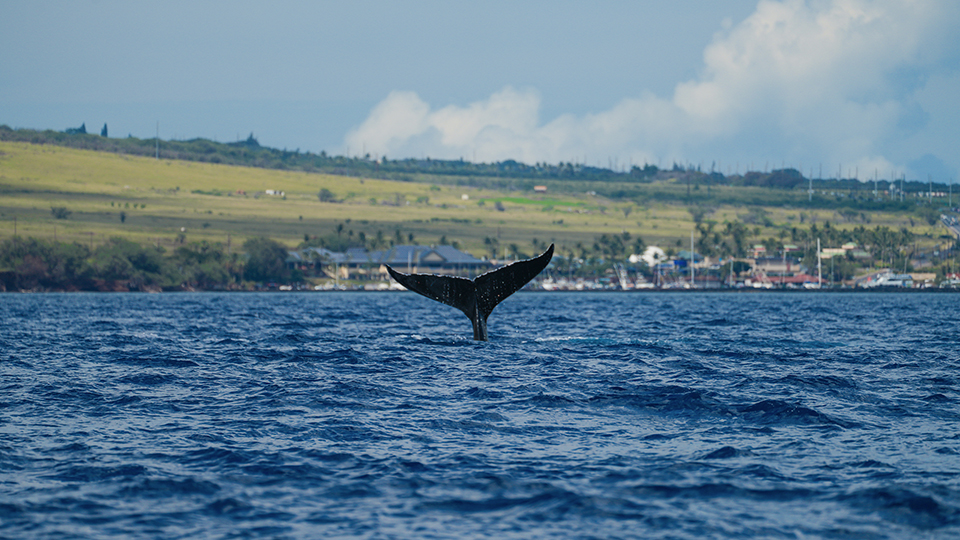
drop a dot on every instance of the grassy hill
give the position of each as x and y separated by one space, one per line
165 200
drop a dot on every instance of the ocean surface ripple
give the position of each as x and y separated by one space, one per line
374 415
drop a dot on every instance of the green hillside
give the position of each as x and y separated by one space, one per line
156 201
210 201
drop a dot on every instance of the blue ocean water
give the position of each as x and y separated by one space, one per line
374 415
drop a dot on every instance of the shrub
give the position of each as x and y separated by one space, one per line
325 195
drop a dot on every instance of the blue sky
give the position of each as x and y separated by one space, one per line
865 87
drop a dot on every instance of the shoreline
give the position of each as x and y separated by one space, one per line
872 290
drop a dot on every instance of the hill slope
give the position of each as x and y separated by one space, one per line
168 201
160 198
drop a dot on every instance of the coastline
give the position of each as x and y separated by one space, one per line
745 290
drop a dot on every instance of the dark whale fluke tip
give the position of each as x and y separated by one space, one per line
476 298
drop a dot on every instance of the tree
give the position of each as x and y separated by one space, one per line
639 246
204 265
492 245
60 212
103 132
734 242
379 241
326 195
707 241
123 260
697 213
733 266
42 263
266 260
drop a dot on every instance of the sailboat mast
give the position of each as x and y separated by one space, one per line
693 258
819 272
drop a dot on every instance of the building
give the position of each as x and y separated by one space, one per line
777 266
359 263
316 261
850 248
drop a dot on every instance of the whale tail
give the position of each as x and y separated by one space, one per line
476 298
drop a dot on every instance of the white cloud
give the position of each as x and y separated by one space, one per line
827 81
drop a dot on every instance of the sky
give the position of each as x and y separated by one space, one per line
855 87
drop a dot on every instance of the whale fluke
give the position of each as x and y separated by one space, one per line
476 298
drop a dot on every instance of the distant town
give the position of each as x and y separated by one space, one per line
360 269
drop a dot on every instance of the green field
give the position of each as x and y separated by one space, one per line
163 199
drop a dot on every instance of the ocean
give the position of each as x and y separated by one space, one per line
375 415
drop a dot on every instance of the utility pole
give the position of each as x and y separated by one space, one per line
158 139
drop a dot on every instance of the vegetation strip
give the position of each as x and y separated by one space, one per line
52 194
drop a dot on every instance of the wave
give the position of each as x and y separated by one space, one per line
156 487
777 412
90 473
155 362
670 399
906 506
727 452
